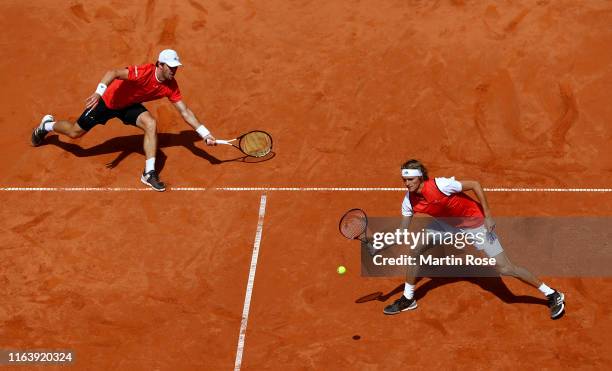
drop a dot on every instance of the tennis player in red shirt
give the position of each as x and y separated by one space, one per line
120 94
445 198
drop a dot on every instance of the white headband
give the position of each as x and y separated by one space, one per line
411 172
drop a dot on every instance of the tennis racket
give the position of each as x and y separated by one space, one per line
255 143
354 224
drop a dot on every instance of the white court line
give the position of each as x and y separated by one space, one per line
397 189
73 189
94 189
284 189
307 189
249 289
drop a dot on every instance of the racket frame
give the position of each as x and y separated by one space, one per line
362 236
240 138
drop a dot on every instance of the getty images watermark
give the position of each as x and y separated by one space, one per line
462 247
458 240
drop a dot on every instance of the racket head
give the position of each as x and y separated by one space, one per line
255 143
353 224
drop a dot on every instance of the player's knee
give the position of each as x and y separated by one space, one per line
150 125
75 133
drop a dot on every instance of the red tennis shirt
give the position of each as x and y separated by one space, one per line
141 86
443 198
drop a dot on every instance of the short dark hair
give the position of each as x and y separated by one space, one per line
416 164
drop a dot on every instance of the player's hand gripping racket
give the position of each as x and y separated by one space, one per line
354 224
255 143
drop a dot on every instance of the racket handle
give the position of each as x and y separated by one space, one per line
221 141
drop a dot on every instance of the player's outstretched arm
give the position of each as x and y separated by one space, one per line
109 76
192 121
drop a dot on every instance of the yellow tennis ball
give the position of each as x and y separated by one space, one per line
341 269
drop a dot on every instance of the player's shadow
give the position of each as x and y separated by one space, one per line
127 145
494 285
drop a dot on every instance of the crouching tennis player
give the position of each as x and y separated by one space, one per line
120 94
444 198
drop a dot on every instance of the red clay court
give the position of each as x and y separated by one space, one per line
514 94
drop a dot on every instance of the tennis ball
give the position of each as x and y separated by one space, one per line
341 269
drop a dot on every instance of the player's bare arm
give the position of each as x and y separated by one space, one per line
192 121
109 76
474 186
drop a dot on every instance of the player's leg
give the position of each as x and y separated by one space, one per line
70 129
492 247
506 268
88 119
145 121
407 300
49 124
148 124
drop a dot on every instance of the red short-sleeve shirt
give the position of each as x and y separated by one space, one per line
141 86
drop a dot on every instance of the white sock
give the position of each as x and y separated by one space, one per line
408 290
150 164
545 289
49 125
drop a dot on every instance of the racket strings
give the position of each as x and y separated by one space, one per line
256 144
353 225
